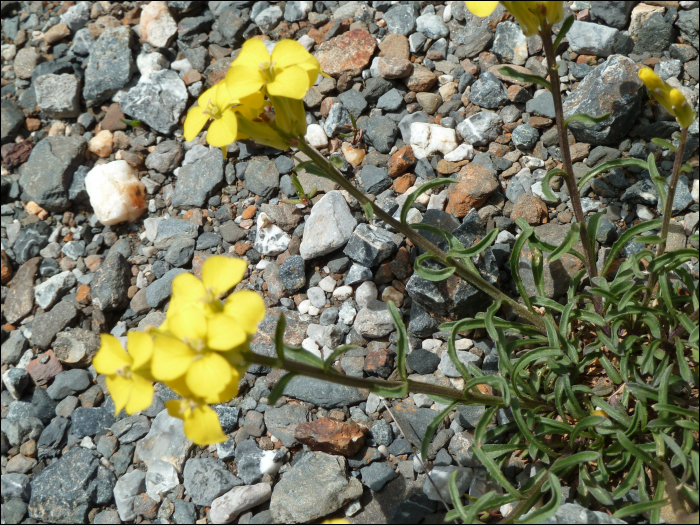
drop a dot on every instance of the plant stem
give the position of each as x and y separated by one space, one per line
570 180
668 211
417 239
370 384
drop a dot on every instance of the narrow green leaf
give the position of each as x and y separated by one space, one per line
592 486
452 353
649 239
547 303
302 356
640 508
607 166
569 241
523 77
457 497
425 187
548 509
369 212
672 259
593 224
402 341
591 317
636 451
615 413
390 391
568 22
131 122
488 320
328 363
515 265
496 382
584 118
538 271
477 248
665 144
663 407
678 453
525 429
431 274
279 336
585 423
451 239
278 389
630 480
337 161
495 472
546 188
560 466
432 427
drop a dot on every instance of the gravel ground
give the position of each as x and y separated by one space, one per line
422 80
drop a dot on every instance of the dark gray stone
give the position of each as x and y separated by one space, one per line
375 88
688 24
131 428
231 232
88 421
354 102
160 290
595 95
525 137
282 422
15 486
180 252
380 132
198 181
642 192
262 177
541 106
47 325
64 491
111 283
414 510
158 100
52 438
207 479
12 119
489 92
681 199
322 393
69 382
292 273
401 19
376 475
375 180
390 101
480 129
422 361
208 240
47 175
165 157
369 245
613 14
655 36
109 66
380 434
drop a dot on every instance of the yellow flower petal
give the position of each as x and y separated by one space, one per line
140 395
176 408
111 356
289 53
242 81
224 333
194 122
222 97
187 289
651 80
188 324
223 131
291 82
220 273
202 426
481 8
208 374
555 12
120 389
253 53
171 358
247 308
140 347
228 393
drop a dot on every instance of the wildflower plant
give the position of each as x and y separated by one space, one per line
601 391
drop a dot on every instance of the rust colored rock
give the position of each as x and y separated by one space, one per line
93 262
16 153
518 94
6 268
530 208
32 124
344 438
349 53
422 79
394 67
404 182
579 151
380 363
326 105
191 77
395 45
44 368
83 294
476 184
401 161
401 265
112 120
249 212
445 167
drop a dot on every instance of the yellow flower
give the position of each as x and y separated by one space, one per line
336 520
532 16
127 373
216 104
290 115
289 72
202 336
669 97
201 423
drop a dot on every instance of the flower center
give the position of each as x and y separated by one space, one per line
212 110
124 372
267 71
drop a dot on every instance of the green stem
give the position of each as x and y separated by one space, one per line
417 239
369 384
570 180
668 210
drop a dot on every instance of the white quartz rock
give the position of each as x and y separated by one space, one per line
427 139
270 239
463 152
316 136
116 193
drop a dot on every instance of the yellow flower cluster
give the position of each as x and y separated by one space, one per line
197 351
533 17
238 106
669 97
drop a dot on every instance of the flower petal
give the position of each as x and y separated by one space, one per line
187 289
140 396
253 52
171 358
120 389
194 122
291 82
247 308
202 426
223 131
176 408
228 393
289 53
222 97
209 374
481 8
188 324
224 333
220 273
140 347
111 356
242 81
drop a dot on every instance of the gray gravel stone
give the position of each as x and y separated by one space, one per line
441 478
109 66
322 393
292 273
541 106
198 181
111 283
68 383
525 137
158 100
586 38
47 293
262 177
207 479
47 325
58 96
12 120
380 132
47 175
169 229
510 44
88 421
390 101
655 36
353 101
432 26
375 179
160 290
376 475
15 486
369 245
401 19
480 129
328 228
374 320
165 157
281 422
180 252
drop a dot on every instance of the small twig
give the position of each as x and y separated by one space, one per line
417 453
